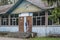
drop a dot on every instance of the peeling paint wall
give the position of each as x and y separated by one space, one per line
9 28
45 31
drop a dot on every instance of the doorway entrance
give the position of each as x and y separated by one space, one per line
25 23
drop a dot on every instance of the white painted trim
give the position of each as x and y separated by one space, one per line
25 24
25 14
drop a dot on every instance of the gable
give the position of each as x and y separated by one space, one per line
26 7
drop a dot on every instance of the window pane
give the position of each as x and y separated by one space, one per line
10 21
4 16
14 19
38 17
34 21
38 22
35 14
42 13
4 21
49 22
49 13
43 20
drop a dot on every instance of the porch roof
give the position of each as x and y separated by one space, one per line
5 8
39 3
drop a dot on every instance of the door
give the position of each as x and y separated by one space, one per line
25 24
28 24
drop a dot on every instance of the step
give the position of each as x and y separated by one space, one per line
18 35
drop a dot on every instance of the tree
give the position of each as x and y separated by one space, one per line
55 13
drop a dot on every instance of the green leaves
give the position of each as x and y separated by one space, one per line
55 14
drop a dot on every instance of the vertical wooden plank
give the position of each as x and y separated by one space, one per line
9 20
21 24
29 21
46 18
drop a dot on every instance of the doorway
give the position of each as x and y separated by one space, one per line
25 24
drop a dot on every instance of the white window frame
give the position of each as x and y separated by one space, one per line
9 19
38 19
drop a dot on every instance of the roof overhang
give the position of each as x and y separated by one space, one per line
5 8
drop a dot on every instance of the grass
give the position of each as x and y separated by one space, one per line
45 38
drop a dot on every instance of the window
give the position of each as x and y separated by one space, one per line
38 18
50 22
4 20
12 20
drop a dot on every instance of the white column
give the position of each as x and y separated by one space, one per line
25 24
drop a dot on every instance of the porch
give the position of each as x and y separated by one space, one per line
38 24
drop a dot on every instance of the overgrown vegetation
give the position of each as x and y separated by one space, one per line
55 12
44 38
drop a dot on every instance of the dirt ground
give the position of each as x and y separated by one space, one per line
6 38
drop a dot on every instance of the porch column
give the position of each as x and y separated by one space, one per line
9 20
46 18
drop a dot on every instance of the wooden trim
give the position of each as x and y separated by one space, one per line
29 21
46 18
9 20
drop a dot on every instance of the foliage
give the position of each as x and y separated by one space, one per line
55 12
44 38
55 15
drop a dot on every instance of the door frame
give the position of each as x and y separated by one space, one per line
25 16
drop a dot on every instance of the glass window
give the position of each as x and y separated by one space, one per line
34 21
50 22
43 20
35 13
42 13
4 20
14 19
38 19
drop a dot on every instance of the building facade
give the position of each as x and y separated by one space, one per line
24 16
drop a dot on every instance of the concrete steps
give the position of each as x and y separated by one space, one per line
18 35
